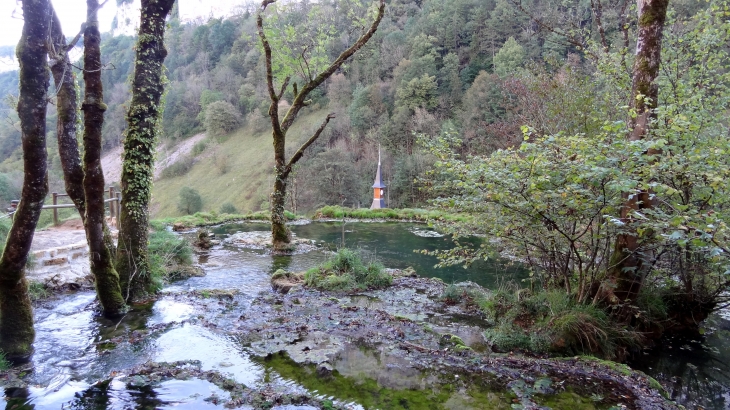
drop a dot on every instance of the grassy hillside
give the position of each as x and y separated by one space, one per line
248 177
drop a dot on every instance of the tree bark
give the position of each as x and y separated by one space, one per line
65 89
100 254
138 163
628 266
16 313
280 234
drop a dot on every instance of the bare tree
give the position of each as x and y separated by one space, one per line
281 236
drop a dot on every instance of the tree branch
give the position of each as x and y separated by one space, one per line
597 8
299 101
274 107
298 155
73 42
283 88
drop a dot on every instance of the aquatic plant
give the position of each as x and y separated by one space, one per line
346 272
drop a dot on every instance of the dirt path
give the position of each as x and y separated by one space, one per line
112 160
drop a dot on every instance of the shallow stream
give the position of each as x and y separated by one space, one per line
81 359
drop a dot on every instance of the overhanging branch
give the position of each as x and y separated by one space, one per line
300 152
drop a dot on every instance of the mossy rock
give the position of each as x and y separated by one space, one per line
283 281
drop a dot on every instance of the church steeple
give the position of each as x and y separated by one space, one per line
378 188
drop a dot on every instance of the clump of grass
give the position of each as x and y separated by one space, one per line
468 293
346 272
199 147
552 322
4 363
423 215
168 255
37 290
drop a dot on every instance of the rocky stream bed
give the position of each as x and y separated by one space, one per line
227 340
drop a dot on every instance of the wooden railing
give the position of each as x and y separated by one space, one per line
115 198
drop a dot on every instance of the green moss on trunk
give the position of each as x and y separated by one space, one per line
280 234
17 333
16 316
143 119
107 280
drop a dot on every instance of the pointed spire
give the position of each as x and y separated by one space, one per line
378 179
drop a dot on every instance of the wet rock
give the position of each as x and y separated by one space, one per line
283 281
179 272
203 240
324 369
262 240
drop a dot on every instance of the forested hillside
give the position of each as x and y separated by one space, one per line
476 68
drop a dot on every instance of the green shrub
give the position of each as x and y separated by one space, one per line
190 201
290 215
346 272
199 147
228 208
221 117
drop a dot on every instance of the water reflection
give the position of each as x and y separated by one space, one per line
394 244
695 372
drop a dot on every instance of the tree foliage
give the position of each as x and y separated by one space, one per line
190 201
221 117
555 201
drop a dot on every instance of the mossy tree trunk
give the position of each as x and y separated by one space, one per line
629 265
143 119
16 313
66 106
280 234
100 254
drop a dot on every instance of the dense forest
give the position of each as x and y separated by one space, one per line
480 69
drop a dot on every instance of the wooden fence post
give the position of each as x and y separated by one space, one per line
119 205
55 211
112 205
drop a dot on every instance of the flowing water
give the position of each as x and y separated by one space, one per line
77 352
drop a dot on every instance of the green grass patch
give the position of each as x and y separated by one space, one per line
169 255
203 219
552 322
37 290
248 180
346 272
4 364
422 215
